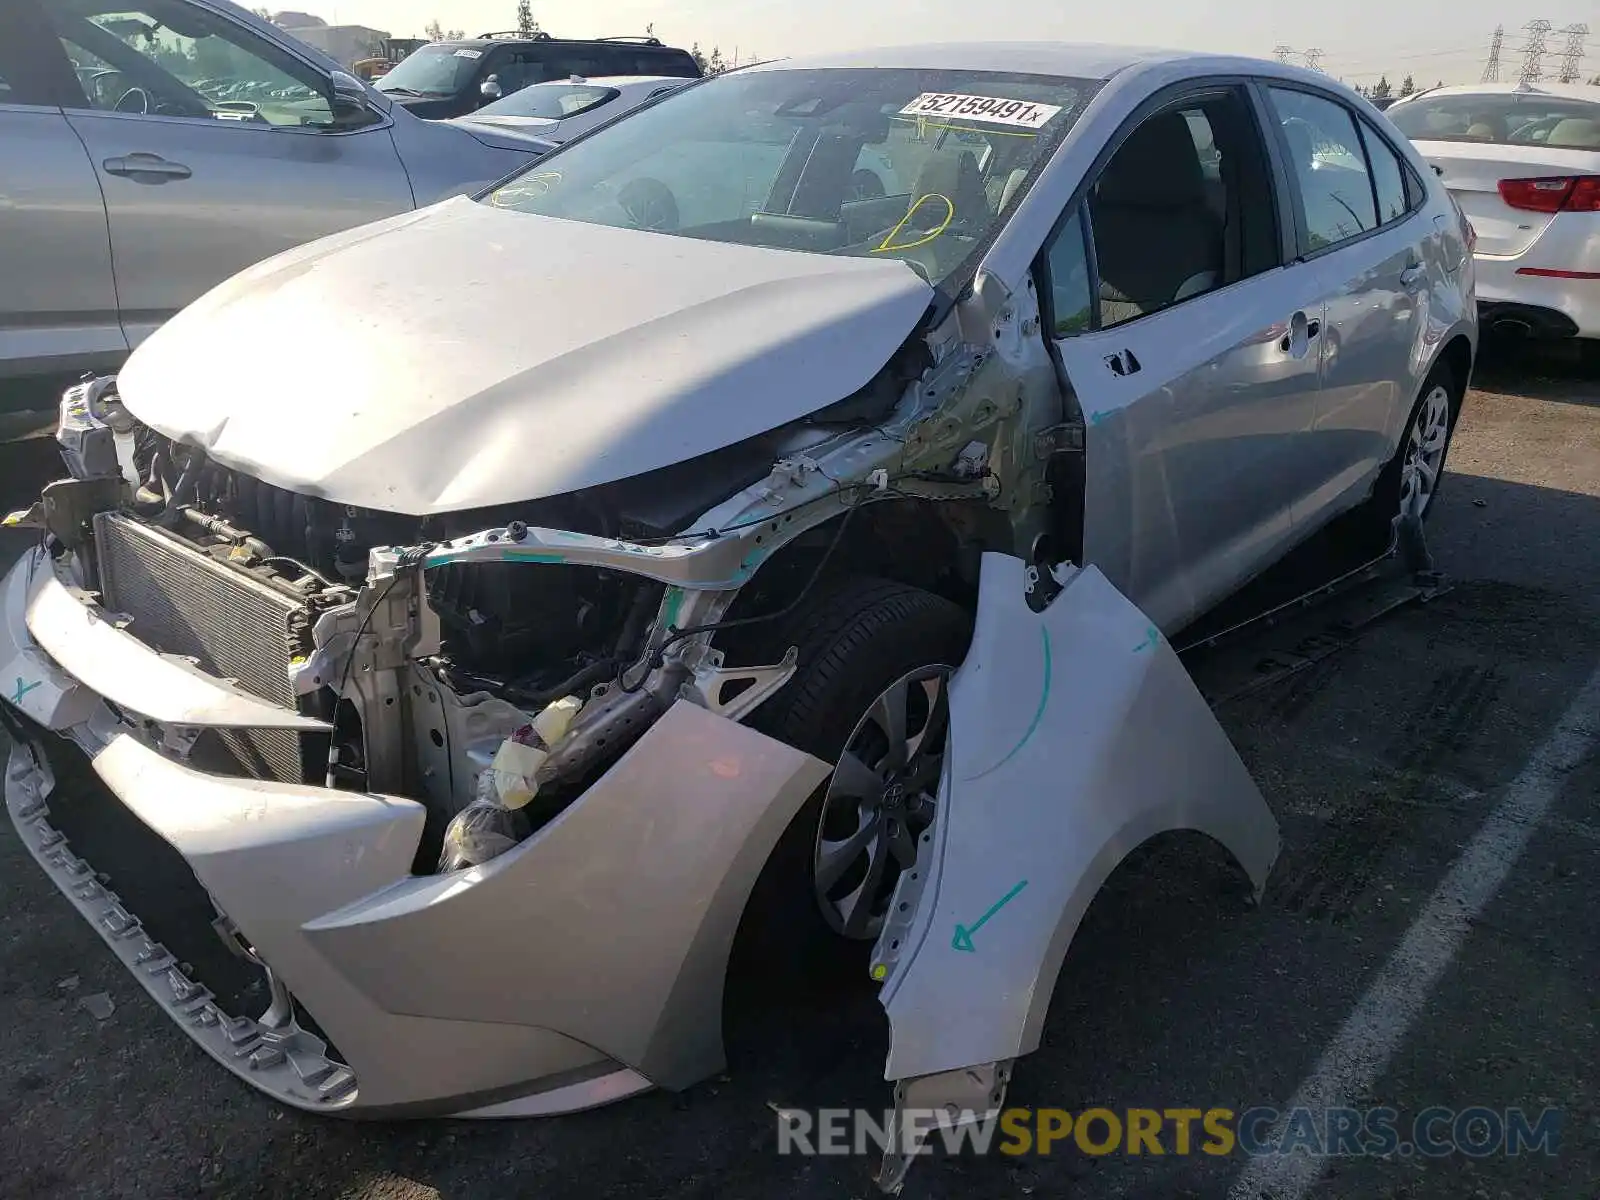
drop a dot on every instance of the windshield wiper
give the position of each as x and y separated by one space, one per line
399 91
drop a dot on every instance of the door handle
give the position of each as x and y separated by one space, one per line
1312 326
1123 363
1411 276
146 164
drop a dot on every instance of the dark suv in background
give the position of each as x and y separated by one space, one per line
451 79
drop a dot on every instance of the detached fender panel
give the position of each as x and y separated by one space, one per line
1076 735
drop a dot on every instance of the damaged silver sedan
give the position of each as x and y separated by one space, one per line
799 484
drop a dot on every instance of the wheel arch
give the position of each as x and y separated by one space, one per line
1457 354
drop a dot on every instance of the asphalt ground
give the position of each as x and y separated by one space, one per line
1430 937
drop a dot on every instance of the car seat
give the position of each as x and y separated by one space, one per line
1576 133
1156 238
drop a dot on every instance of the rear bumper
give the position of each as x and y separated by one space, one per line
1575 302
584 966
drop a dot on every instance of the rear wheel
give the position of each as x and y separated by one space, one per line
1426 444
1415 474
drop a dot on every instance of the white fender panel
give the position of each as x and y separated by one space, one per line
1076 735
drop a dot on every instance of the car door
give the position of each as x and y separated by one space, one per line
216 147
58 301
1357 209
1191 348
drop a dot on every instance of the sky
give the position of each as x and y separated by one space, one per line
1431 39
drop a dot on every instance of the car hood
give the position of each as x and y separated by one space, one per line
465 356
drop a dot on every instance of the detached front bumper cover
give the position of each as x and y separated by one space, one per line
621 912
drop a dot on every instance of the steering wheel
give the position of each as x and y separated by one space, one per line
134 95
649 204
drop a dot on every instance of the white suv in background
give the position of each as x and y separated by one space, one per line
1523 163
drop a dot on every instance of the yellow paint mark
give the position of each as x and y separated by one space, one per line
889 244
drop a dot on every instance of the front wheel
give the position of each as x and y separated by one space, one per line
869 696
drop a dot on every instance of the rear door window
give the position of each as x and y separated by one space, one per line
1327 158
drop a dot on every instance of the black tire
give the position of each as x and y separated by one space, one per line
1387 494
855 638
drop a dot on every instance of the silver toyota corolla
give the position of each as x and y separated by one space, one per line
150 149
497 606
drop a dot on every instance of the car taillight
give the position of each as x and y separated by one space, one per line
1580 194
1585 195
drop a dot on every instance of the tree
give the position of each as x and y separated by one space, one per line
1381 90
526 25
715 64
438 33
1407 86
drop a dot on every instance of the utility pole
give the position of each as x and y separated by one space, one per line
1491 69
1572 53
1533 53
1283 53
1314 59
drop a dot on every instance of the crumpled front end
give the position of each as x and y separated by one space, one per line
299 738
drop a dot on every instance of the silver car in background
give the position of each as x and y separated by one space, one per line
783 552
149 149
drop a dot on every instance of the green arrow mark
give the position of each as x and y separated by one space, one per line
963 937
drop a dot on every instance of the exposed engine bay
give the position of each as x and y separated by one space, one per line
425 643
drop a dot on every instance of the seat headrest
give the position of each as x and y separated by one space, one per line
959 181
1157 167
1576 131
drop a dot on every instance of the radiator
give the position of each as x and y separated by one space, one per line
181 602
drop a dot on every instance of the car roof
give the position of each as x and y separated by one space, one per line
1079 60
1563 91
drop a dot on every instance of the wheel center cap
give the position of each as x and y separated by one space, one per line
894 796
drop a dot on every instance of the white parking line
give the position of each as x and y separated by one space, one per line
1361 1050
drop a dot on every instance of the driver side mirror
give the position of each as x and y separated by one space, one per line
351 105
490 88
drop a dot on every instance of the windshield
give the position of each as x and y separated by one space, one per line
1506 119
923 166
435 70
551 101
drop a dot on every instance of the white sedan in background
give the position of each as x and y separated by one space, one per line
562 109
1523 163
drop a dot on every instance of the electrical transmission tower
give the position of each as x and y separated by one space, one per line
1314 58
1491 69
1533 53
1283 53
1572 53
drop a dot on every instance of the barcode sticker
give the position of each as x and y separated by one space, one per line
993 109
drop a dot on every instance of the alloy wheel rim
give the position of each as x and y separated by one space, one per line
880 799
1424 455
